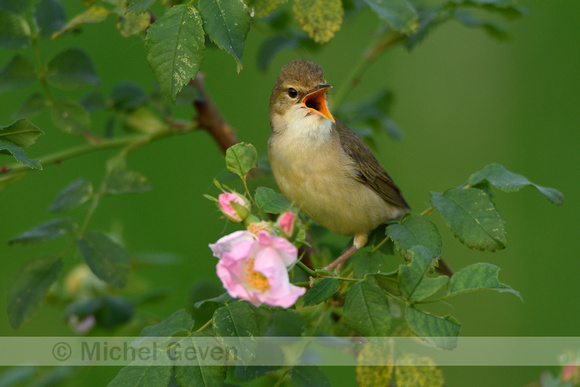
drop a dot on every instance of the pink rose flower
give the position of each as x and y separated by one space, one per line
255 268
286 223
237 214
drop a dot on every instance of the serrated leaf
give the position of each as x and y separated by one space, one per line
72 196
22 133
178 322
175 47
367 262
195 374
388 282
413 283
139 6
94 14
478 276
366 309
468 20
271 201
238 319
399 15
50 17
507 181
472 217
240 158
131 24
321 291
221 300
122 181
415 230
442 332
29 287
106 258
320 19
428 20
46 231
18 153
70 116
31 107
14 31
308 376
70 69
227 23
146 375
19 73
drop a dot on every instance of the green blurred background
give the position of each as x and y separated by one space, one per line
463 101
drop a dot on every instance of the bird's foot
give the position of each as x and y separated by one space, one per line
338 262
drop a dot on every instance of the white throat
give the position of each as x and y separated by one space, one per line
301 125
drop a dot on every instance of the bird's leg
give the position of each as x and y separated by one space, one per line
360 240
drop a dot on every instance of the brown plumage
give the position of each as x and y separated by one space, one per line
321 165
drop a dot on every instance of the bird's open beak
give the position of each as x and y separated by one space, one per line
316 101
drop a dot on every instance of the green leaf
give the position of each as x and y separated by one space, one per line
238 319
106 258
271 201
286 323
46 231
14 31
19 73
240 158
468 20
308 376
31 107
139 6
72 196
507 181
114 311
50 17
178 322
145 375
94 14
367 262
93 101
472 217
122 181
478 276
70 116
227 23
320 19
70 69
195 374
15 6
415 230
29 287
388 282
439 331
321 291
506 8
18 376
366 309
130 24
175 47
22 133
18 153
413 283
128 96
397 14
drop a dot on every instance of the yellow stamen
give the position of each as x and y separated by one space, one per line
256 279
256 227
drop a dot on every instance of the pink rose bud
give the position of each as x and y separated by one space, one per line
570 373
234 206
286 223
255 268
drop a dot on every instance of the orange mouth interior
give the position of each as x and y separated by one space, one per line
316 101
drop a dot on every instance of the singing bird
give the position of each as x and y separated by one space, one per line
322 166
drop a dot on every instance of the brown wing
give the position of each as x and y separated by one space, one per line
368 170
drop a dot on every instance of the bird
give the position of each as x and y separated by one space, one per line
322 166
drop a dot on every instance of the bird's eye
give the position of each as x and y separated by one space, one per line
292 93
